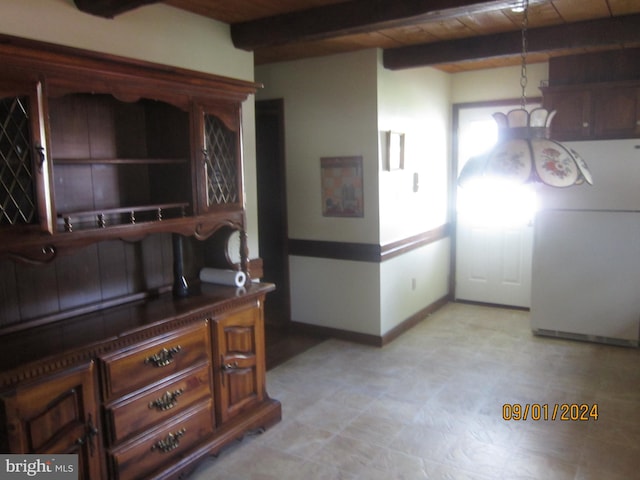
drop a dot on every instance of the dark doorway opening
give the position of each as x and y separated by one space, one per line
282 341
272 208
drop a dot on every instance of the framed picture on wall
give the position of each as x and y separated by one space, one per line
342 187
395 151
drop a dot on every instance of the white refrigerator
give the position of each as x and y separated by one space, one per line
586 251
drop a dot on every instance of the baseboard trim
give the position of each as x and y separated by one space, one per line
414 319
329 332
365 338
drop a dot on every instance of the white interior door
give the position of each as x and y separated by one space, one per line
494 227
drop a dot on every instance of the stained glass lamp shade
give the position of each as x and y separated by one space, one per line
525 153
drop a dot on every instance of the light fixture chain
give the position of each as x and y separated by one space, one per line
523 68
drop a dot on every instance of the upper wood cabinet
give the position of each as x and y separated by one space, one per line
616 111
573 113
118 163
97 147
595 111
25 170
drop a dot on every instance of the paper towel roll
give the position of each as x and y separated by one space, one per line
223 277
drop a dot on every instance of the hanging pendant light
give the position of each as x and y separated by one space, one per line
524 152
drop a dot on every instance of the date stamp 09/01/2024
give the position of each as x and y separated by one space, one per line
565 412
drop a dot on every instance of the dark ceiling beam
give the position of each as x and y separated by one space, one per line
614 31
356 16
110 8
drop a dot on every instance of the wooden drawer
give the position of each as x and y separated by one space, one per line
149 362
152 406
143 456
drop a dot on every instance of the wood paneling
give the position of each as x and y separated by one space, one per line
113 269
78 279
96 274
37 290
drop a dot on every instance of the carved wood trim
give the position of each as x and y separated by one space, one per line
70 66
40 249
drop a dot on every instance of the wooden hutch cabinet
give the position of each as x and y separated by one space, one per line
118 178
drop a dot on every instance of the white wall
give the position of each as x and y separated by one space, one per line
411 282
330 110
156 33
342 105
414 102
336 294
497 83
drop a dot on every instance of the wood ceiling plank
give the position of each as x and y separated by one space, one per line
489 22
611 31
447 29
408 35
483 17
356 16
588 9
624 7
540 15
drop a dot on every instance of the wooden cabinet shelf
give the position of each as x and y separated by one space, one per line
68 221
115 161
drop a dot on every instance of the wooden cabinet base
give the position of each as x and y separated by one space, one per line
151 409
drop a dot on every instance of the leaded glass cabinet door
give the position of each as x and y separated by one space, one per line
25 193
220 170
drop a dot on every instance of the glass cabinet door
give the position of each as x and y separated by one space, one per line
219 171
25 200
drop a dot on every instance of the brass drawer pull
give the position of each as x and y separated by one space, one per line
90 432
171 442
227 367
230 366
164 357
166 401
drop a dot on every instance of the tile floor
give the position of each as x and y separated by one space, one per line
430 405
